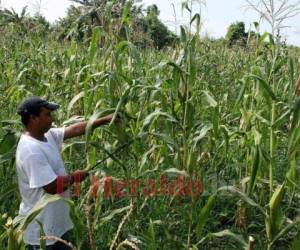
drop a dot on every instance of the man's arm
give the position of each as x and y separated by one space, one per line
79 128
63 183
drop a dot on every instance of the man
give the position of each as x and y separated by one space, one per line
41 170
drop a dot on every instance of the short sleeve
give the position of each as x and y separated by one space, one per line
38 171
58 136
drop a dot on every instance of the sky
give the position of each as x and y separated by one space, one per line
217 15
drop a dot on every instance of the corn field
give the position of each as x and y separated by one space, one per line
227 116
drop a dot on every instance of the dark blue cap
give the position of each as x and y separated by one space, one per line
32 104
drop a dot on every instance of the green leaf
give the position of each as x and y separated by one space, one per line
198 19
265 86
24 221
159 66
157 113
94 44
204 213
178 69
20 75
284 116
262 119
228 233
202 133
257 136
8 192
296 115
7 143
121 47
176 172
183 36
119 105
126 13
276 218
92 119
263 38
210 99
286 230
185 5
294 140
296 240
78 221
242 92
113 213
74 100
167 139
151 236
243 196
276 197
42 234
255 166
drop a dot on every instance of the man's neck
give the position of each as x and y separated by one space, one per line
36 135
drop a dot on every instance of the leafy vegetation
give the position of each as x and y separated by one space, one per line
146 28
227 116
236 33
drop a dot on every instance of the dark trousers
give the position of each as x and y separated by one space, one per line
57 245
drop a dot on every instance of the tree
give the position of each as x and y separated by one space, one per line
23 23
145 27
103 13
158 32
73 24
236 33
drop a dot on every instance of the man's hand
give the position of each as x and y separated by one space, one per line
79 175
62 183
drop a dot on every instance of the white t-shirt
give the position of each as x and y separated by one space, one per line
38 164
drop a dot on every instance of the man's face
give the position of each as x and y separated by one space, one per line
43 122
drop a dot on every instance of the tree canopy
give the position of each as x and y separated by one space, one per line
236 33
117 17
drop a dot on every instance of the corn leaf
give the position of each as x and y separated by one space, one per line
7 143
94 44
255 166
204 213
